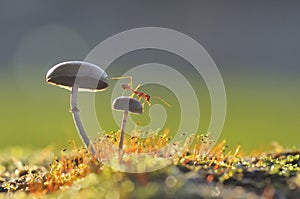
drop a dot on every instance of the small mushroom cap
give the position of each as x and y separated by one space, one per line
87 76
125 103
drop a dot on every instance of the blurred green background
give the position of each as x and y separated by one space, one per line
255 46
258 113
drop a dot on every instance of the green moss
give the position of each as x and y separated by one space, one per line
75 173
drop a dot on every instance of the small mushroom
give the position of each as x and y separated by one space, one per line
126 104
78 76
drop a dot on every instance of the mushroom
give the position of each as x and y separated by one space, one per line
78 76
126 104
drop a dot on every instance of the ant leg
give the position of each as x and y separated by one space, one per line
143 104
138 86
148 102
135 90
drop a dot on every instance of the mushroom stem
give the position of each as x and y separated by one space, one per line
76 118
122 132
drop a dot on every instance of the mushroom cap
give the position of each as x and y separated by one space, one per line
125 103
87 76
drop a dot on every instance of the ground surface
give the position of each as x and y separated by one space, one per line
75 173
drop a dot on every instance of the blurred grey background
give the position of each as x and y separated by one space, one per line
256 36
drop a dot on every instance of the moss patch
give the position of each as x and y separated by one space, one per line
76 173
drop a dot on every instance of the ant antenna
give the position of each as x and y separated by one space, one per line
161 99
124 77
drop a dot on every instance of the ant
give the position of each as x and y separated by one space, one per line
146 97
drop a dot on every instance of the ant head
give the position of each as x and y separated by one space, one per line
125 86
